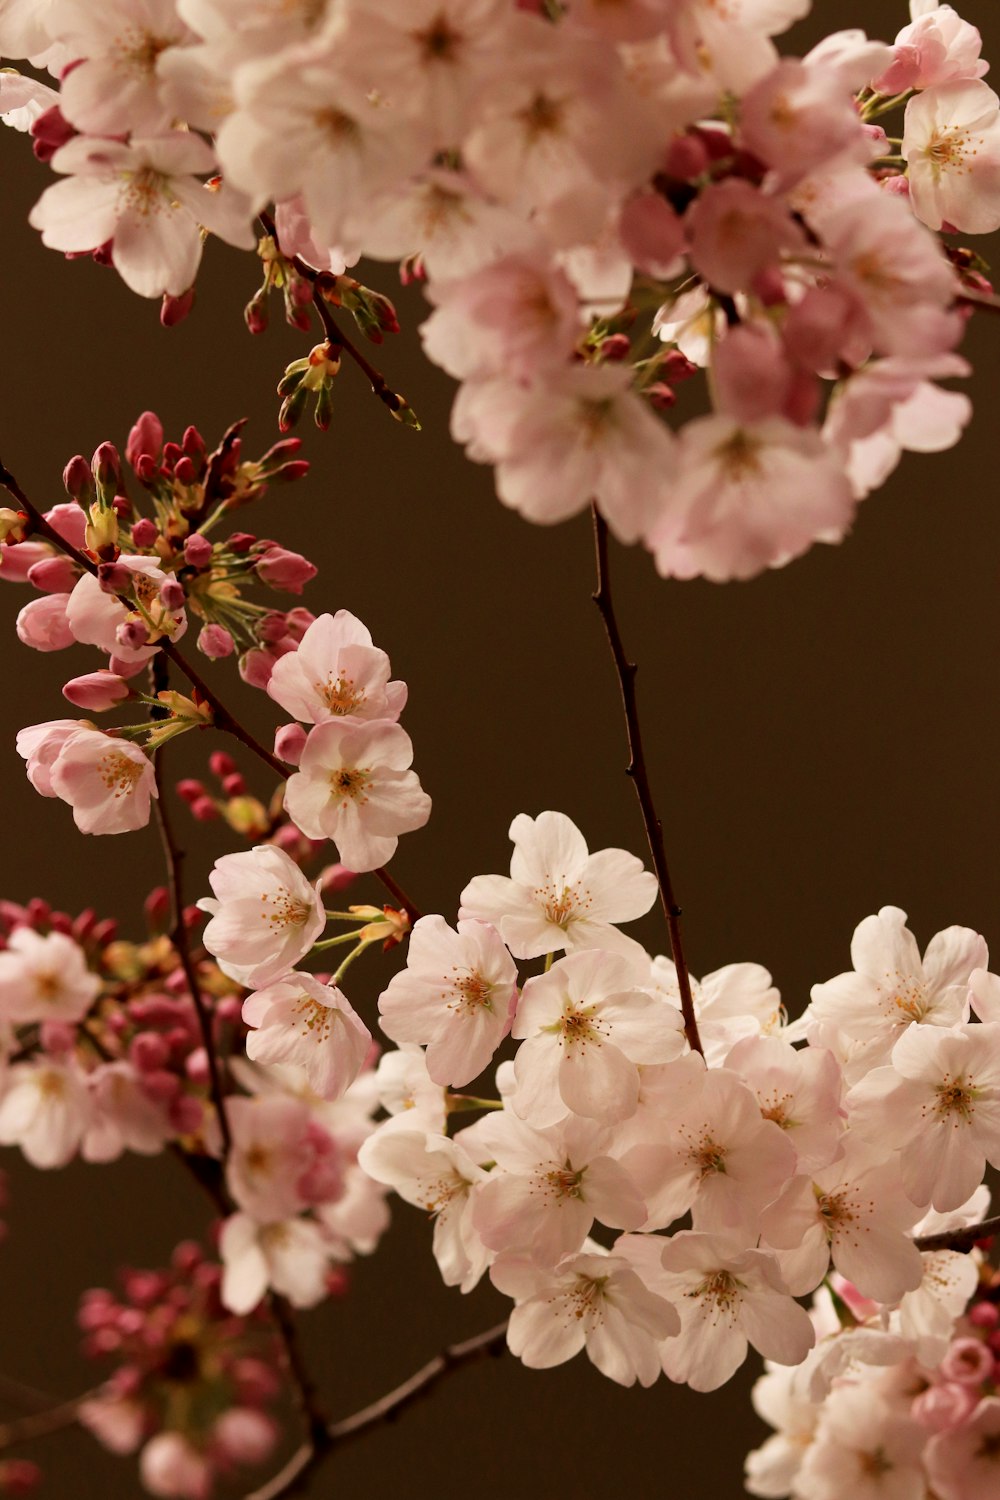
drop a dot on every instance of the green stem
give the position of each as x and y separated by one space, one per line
354 953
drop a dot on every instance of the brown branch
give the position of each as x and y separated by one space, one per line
174 855
636 770
41 1423
960 1239
290 1479
223 718
334 333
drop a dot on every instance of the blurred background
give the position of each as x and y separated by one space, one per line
822 740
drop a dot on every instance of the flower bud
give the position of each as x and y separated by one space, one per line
172 595
144 533
106 467
281 569
42 624
256 667
114 578
289 742
174 310
336 878
145 437
197 549
131 634
78 480
96 692
53 575
215 642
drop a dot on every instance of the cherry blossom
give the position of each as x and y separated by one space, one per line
772 1468
939 1105
286 1255
336 672
951 141
589 1301
863 1448
45 1109
457 995
145 198
265 915
311 1025
936 47
963 1464
585 1026
268 1161
547 1187
736 1001
107 781
114 88
559 896
354 786
728 1297
45 978
798 1090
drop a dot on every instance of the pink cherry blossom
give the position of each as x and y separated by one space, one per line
265 915
45 978
108 782
288 1256
951 141
548 1186
736 232
800 118
95 617
516 316
864 1448
354 786
171 1467
45 1109
939 1105
854 1213
590 1301
114 89
585 1026
39 745
456 995
146 200
711 1152
937 47
964 1464
559 895
336 672
310 1025
736 1001
42 624
270 1155
728 1297
437 1175
927 1315
798 1090
126 1115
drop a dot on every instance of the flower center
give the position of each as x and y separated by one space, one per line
473 993
562 905
314 1020
585 1296
339 128
562 1182
340 695
946 151
439 42
738 456
543 116
347 784
119 773
146 192
283 910
137 51
575 1028
954 1100
721 1290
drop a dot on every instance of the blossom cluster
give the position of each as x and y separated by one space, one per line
602 200
904 1404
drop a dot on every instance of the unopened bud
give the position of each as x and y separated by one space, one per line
197 550
96 692
661 395
215 642
114 578
221 763
146 437
53 575
78 480
174 310
184 470
131 634
144 533
172 595
247 816
106 467
157 909
289 742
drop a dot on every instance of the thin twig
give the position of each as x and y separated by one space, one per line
636 770
334 333
223 718
174 856
960 1239
290 1479
41 1423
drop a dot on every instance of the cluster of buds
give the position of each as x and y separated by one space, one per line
279 275
312 376
194 1386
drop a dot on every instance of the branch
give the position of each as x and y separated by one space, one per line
959 1239
41 1423
636 769
334 333
290 1479
223 719
174 856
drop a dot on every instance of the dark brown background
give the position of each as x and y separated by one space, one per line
822 740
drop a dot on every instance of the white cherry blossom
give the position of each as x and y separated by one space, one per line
457 995
863 1448
288 1256
336 672
108 782
560 896
114 89
951 141
354 786
45 1109
265 915
310 1025
45 978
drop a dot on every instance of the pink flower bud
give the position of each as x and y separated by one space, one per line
42 624
256 667
96 691
53 575
172 595
661 396
114 578
69 522
336 878
184 470
215 642
78 480
984 1315
131 635
57 1037
241 541
18 558
106 466
146 437
126 669
144 533
174 310
943 1407
19 1476
204 810
168 1465
148 1052
284 570
234 785
221 763
197 551
190 790
255 1381
146 468
244 1436
289 742
685 158
298 620
967 1361
193 444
